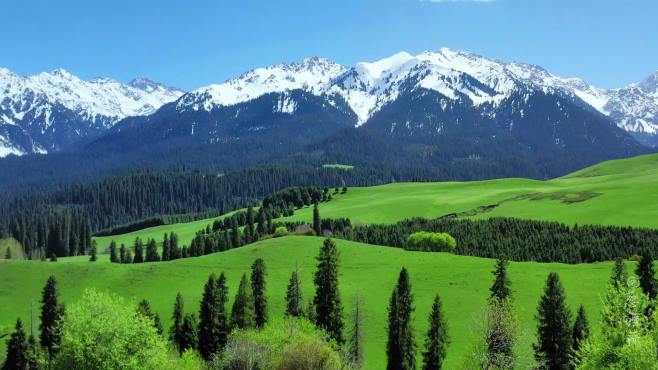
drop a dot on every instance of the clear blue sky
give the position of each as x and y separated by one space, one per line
191 43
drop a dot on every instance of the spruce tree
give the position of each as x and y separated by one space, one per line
500 290
294 306
249 227
128 256
189 336
316 220
553 348
258 285
400 346
619 275
646 274
437 340
174 252
260 228
139 251
113 252
356 337
17 349
580 331
144 308
152 251
176 330
122 253
166 254
328 308
51 315
213 320
242 313
236 241
33 354
92 252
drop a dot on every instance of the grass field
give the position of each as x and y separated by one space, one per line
623 192
370 271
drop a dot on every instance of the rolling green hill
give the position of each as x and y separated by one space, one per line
370 271
622 192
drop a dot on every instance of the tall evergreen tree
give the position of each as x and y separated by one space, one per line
235 235
294 305
580 331
122 253
249 227
189 336
437 340
619 275
258 285
51 315
174 252
128 256
242 313
500 290
316 220
139 251
553 347
401 346
152 251
213 324
328 307
92 251
17 349
646 274
166 254
113 252
176 330
356 337
260 228
144 308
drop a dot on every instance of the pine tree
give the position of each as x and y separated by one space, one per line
92 252
144 308
176 330
113 252
51 315
139 251
328 308
646 273
258 285
294 306
122 253
249 228
553 347
619 275
213 320
174 252
316 220
437 340
189 336
400 346
33 354
17 349
242 313
356 337
500 290
260 228
580 331
236 241
152 251
166 254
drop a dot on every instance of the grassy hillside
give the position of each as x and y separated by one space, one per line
622 192
370 271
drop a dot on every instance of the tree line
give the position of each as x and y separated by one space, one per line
517 239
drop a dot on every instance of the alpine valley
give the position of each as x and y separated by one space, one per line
444 115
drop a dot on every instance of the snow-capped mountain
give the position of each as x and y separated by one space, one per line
52 111
485 82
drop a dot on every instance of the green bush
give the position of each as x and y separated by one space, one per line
293 344
103 331
431 242
281 231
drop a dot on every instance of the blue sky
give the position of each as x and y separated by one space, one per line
193 43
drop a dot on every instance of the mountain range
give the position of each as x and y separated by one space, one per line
436 115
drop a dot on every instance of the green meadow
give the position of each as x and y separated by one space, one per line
370 271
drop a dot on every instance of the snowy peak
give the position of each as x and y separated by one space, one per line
311 75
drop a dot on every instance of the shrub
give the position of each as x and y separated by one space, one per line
286 345
431 242
281 231
103 331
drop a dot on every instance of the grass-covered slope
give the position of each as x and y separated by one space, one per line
621 192
370 271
